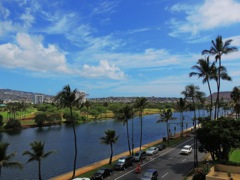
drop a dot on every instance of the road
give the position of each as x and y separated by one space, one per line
169 164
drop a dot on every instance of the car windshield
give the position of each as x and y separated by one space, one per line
147 174
151 149
100 171
121 160
185 148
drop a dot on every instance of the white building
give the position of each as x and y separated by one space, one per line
81 94
38 99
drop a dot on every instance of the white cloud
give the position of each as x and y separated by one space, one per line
103 70
29 53
210 15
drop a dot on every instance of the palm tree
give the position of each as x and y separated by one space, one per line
165 116
192 91
181 106
68 98
5 160
140 104
219 48
205 70
235 96
124 114
110 138
37 154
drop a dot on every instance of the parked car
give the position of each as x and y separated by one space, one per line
152 150
123 162
187 149
140 155
101 173
161 147
150 174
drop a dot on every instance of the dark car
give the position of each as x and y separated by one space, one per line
140 155
101 173
123 163
150 174
161 147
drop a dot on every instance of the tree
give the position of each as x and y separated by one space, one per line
54 118
5 160
192 91
1 120
13 124
218 49
37 154
40 119
219 137
68 98
235 96
206 71
181 106
165 116
124 114
110 138
140 105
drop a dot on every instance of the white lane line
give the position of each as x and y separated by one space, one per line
153 159
170 158
164 175
184 160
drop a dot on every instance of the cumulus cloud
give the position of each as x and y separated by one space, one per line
212 14
29 53
103 70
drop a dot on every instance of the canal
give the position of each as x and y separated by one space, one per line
90 150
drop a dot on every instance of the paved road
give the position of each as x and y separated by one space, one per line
169 163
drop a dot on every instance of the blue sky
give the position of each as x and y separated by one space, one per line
113 47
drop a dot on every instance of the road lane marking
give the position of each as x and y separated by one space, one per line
170 158
153 159
184 160
164 175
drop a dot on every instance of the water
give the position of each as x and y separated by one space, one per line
90 150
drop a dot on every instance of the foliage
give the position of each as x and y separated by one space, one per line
13 124
110 138
219 137
40 119
54 118
1 120
45 107
37 154
5 160
67 116
199 174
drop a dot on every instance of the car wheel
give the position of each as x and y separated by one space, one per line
101 177
124 167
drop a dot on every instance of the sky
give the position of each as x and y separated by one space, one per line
106 48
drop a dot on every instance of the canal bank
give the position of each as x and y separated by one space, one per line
85 169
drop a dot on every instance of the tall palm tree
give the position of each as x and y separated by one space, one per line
37 154
165 116
192 91
124 114
235 96
68 98
140 105
206 71
181 106
218 49
110 138
5 160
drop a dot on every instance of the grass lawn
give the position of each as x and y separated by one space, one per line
235 156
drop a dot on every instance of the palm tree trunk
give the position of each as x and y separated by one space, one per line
129 148
111 155
182 124
141 133
218 86
167 132
211 103
195 137
39 170
75 144
132 137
